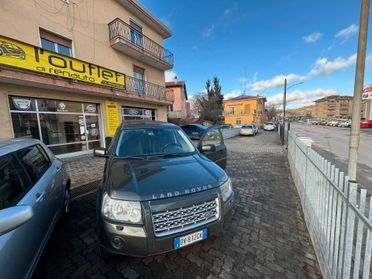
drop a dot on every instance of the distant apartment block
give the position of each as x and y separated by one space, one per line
334 106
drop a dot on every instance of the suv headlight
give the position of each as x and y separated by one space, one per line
122 211
226 189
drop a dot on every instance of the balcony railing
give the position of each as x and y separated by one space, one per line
147 89
118 29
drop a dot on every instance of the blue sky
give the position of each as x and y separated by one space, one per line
306 41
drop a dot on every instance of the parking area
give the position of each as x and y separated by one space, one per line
267 237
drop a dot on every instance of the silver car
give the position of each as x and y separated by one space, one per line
34 193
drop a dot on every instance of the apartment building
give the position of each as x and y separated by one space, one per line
180 110
334 106
71 71
244 110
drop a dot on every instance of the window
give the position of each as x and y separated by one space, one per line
212 137
231 110
63 125
238 121
136 35
138 114
36 161
247 109
55 43
14 181
139 79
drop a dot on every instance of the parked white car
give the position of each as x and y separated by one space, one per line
255 127
269 126
247 130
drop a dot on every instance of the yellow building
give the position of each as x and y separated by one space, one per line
245 110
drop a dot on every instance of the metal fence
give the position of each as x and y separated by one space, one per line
230 132
335 212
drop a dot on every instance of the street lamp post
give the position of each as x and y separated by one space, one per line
284 106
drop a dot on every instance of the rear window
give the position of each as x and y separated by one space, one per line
14 182
36 161
247 126
269 123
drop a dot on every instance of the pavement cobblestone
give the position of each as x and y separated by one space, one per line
267 237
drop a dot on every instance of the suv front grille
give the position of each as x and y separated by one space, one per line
181 219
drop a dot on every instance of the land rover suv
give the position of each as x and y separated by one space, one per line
159 192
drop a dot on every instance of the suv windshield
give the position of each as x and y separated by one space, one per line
152 141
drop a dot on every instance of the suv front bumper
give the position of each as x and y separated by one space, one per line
140 241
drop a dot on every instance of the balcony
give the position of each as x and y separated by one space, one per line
143 88
128 40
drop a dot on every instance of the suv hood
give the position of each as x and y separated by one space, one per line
141 180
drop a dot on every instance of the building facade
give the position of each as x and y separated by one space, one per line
180 110
244 110
70 72
334 106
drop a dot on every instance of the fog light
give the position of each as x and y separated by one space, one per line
117 242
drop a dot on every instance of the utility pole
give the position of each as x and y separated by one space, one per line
284 99
358 88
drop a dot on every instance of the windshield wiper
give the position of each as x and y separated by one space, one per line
169 155
131 157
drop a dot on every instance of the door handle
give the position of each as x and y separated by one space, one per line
40 197
58 168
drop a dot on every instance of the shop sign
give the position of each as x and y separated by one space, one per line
112 117
133 112
367 93
61 107
21 104
90 108
28 57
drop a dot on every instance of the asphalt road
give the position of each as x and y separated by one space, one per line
333 144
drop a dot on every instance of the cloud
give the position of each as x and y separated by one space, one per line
232 94
230 10
170 75
276 81
209 31
312 38
347 32
301 98
323 66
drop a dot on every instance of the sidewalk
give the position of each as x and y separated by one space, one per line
267 237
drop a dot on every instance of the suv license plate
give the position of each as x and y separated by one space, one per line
182 241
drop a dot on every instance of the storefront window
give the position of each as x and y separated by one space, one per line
58 106
64 126
25 125
138 114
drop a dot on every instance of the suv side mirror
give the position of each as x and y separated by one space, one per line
13 217
208 148
99 152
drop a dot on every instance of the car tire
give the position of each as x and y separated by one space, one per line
67 202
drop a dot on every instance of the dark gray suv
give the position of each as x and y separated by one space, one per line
159 192
34 192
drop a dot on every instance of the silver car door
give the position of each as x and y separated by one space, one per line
19 247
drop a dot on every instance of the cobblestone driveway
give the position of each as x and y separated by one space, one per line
267 237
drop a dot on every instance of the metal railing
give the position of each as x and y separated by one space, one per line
147 89
119 29
335 213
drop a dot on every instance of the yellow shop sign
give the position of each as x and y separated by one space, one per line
24 56
112 117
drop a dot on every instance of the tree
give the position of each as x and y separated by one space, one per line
271 112
210 104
